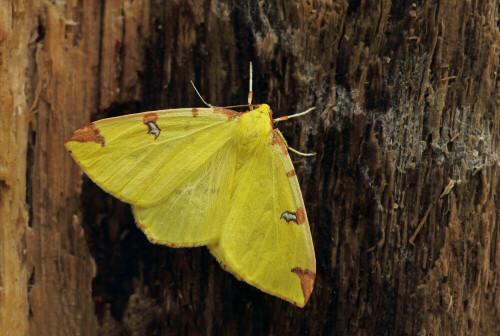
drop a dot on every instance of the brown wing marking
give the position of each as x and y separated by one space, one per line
230 114
150 120
150 117
306 281
88 133
278 141
299 217
291 173
194 111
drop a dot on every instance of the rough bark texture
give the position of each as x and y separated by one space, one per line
403 196
48 85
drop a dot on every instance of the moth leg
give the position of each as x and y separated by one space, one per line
300 153
294 115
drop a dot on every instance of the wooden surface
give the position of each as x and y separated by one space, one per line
403 196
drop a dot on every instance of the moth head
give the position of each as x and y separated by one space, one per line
264 109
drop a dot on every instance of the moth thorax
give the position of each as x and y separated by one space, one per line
255 127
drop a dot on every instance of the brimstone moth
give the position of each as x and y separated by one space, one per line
209 176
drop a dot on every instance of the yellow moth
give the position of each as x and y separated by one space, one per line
209 176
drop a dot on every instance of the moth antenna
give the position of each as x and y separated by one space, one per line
294 115
250 92
300 153
199 95
233 106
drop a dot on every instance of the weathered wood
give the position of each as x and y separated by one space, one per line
402 196
51 57
14 32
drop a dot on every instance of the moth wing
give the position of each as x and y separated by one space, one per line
266 239
143 158
194 213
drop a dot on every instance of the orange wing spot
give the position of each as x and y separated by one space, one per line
301 216
194 111
172 245
306 281
230 114
88 133
152 240
150 117
291 173
278 141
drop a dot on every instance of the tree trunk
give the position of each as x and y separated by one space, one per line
403 196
